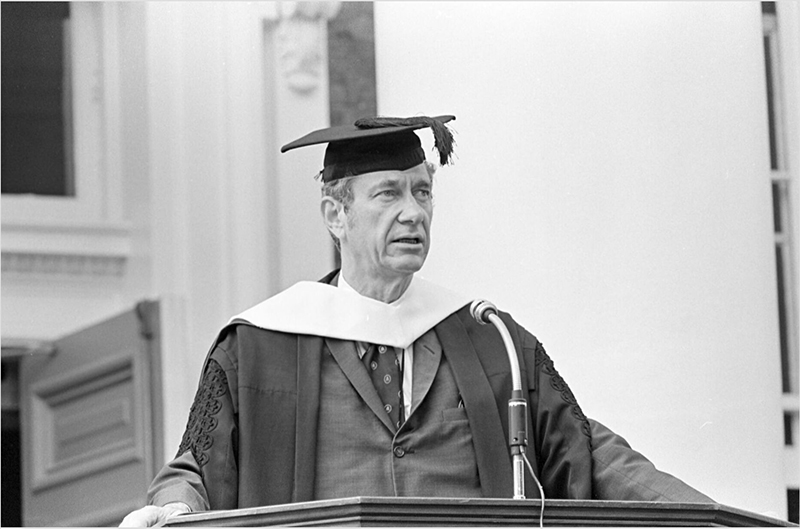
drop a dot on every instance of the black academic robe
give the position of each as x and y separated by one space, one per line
251 435
251 438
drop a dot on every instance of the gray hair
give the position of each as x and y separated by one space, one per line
341 190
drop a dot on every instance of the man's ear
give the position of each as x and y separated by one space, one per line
333 215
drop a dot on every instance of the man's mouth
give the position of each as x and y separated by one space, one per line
409 240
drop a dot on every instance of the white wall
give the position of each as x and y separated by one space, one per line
611 191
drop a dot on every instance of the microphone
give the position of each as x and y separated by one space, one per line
485 312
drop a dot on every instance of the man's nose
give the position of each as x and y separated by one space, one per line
412 211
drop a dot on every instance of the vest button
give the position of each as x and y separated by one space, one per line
399 452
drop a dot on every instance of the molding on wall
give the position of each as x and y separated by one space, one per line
63 265
88 250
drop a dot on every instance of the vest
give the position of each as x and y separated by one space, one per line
360 454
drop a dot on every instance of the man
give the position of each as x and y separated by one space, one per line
373 382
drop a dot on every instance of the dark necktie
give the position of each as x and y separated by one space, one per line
383 367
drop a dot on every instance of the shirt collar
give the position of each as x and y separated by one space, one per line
345 285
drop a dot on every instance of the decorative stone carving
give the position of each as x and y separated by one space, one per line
300 42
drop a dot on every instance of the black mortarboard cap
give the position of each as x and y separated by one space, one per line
377 144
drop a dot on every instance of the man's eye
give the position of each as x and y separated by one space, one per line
388 192
424 193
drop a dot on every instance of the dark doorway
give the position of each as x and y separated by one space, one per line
11 508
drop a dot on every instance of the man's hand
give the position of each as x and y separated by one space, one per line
151 515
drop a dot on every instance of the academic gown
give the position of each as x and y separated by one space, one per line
251 437
252 431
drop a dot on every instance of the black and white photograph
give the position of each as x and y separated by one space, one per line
404 263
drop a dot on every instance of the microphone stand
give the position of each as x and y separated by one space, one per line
485 312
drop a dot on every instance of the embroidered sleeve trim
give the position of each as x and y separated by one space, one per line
202 420
560 385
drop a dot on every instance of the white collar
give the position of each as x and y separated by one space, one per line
321 309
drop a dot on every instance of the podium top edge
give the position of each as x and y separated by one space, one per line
577 511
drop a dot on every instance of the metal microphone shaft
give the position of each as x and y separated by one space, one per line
516 379
484 312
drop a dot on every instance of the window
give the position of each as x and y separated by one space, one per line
36 94
61 130
78 125
781 182
782 178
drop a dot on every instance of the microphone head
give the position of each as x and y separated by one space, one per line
480 310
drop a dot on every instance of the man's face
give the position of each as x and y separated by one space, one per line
387 229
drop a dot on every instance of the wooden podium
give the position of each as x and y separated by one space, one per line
371 512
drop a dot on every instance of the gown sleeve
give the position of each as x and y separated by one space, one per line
561 436
204 472
622 473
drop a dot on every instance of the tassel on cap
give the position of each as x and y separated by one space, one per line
442 136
